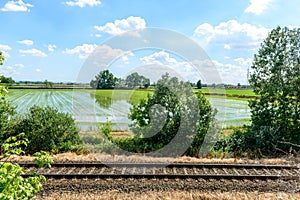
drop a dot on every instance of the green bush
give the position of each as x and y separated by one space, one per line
173 110
12 184
252 141
46 129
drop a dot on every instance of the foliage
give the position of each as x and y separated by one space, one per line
48 84
136 80
12 184
6 110
1 58
104 80
199 84
46 130
276 78
106 129
7 80
171 109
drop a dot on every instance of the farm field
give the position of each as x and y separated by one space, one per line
237 94
88 107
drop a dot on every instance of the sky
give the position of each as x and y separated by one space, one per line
56 40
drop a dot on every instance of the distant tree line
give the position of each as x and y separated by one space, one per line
106 80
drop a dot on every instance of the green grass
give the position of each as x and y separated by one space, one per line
237 94
131 96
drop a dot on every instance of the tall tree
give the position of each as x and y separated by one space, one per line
137 80
199 84
275 77
104 80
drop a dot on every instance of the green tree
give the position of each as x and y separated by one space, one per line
1 58
199 84
276 78
7 80
137 80
171 109
48 84
6 109
104 80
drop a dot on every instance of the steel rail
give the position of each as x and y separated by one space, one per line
113 170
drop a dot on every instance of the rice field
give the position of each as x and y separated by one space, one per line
89 107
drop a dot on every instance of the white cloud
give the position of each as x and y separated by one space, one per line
51 47
161 62
161 58
257 7
26 42
83 50
4 48
227 46
235 70
38 70
19 65
123 25
16 6
232 34
83 3
33 52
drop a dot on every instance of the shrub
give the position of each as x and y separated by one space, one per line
12 184
46 129
171 111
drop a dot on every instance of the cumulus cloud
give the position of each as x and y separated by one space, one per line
82 50
235 71
123 25
16 6
19 65
4 48
232 35
184 70
38 70
51 47
83 3
26 42
257 7
161 57
33 52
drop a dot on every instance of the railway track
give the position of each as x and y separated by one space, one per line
164 171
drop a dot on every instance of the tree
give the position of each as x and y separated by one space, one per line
104 80
1 58
136 80
48 84
199 84
276 78
172 108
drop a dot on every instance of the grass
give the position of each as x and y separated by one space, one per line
131 96
235 94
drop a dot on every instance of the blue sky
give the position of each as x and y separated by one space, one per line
52 39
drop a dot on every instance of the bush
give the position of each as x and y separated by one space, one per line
12 184
46 129
172 114
252 142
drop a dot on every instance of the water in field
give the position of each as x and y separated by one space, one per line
87 111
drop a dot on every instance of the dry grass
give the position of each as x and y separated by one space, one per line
64 157
171 195
121 134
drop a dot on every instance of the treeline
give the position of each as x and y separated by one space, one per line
106 80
